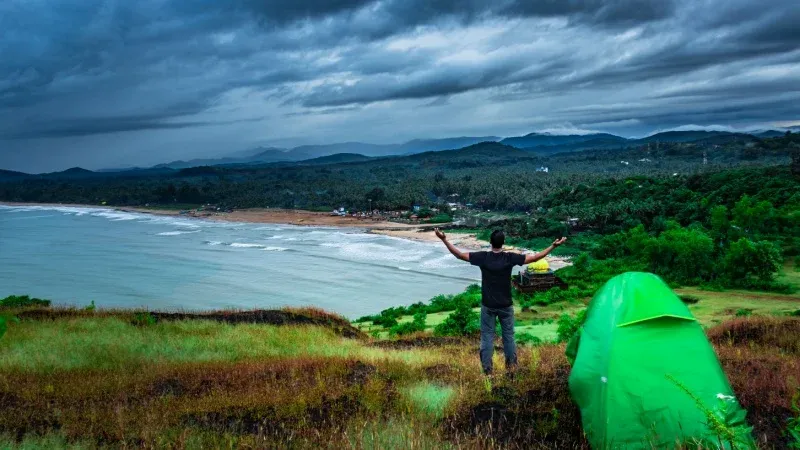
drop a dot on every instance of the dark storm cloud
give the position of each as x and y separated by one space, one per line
97 67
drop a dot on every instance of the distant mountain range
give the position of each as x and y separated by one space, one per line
540 143
307 152
534 140
533 144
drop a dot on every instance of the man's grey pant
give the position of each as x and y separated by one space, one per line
506 316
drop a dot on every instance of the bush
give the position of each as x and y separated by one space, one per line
689 299
388 317
793 427
528 339
143 319
462 322
550 296
569 325
416 325
4 320
23 301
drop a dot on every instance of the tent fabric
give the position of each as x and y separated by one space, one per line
643 367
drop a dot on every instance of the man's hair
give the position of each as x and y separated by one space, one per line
498 238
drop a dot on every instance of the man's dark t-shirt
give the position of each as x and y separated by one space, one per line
496 276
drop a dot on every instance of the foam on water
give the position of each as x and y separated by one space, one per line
275 249
178 232
442 262
372 251
246 245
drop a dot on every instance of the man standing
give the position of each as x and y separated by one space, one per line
496 301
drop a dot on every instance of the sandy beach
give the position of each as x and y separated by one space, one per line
415 232
284 216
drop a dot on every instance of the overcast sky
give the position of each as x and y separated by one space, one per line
111 83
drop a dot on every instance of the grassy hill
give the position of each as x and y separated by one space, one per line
308 379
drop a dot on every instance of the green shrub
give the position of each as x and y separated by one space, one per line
793 427
569 325
744 312
143 319
23 301
4 321
689 299
416 325
527 339
461 322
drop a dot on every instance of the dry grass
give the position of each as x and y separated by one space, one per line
304 386
761 356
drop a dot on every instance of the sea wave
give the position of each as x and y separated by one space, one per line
214 243
178 232
376 252
442 262
275 249
246 245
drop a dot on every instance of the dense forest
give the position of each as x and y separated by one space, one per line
488 175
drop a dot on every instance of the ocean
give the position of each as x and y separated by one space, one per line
75 255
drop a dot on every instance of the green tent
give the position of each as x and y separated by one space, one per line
645 375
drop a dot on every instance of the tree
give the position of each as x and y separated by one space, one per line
753 217
794 151
684 255
746 260
720 224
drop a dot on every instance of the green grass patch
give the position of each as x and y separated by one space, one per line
790 273
112 343
50 441
395 434
546 332
713 308
427 399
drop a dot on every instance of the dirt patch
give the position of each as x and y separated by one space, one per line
27 419
423 341
169 386
440 372
359 372
330 413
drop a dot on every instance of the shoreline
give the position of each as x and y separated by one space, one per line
253 215
412 232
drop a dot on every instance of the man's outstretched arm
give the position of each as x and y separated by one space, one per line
456 252
537 256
